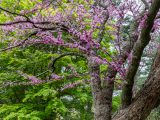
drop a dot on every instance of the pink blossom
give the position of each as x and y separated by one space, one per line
56 77
71 85
34 79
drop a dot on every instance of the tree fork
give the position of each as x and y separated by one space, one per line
139 46
146 99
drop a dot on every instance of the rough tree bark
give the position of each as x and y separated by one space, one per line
103 90
103 101
139 46
98 100
102 98
146 99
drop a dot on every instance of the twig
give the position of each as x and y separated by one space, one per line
63 55
21 43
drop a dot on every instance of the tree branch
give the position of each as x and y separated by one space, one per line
63 55
21 43
14 13
146 4
139 46
102 27
146 99
28 20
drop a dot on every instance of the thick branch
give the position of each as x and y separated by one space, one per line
141 43
102 27
146 99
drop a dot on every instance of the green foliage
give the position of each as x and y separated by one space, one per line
116 101
46 101
43 101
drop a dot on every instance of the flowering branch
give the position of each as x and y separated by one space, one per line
14 13
19 44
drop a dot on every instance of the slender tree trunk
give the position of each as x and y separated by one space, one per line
147 98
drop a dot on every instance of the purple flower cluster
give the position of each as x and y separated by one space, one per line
56 77
34 80
81 23
71 85
119 68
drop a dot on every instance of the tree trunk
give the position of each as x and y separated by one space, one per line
146 99
102 109
105 88
102 91
139 46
